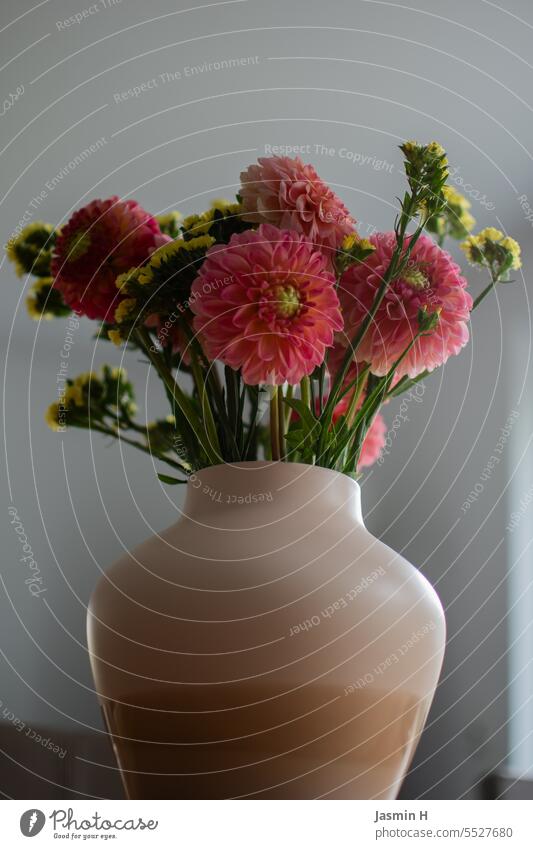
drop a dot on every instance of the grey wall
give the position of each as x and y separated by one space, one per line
352 75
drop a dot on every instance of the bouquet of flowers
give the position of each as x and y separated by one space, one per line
277 331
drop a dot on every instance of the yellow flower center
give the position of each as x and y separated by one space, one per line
78 245
415 277
287 301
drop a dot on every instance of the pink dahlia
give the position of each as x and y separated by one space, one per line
99 242
266 303
291 195
431 280
373 443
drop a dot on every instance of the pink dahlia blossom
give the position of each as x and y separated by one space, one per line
373 443
291 195
99 242
432 280
266 303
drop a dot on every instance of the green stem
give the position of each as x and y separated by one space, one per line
305 391
191 427
207 413
212 381
119 435
485 292
371 407
354 401
288 412
321 378
281 422
274 424
249 445
399 259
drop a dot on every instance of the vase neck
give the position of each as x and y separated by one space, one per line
283 489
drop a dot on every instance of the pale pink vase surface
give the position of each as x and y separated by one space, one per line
266 645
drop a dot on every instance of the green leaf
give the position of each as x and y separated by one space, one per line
169 479
296 438
308 420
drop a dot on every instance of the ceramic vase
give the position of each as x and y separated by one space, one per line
266 645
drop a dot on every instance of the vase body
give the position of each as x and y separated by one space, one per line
266 645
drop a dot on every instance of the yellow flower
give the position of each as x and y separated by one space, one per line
53 417
514 248
125 310
486 249
437 150
490 233
74 395
467 220
40 231
166 252
410 147
168 219
453 219
198 243
469 247
220 203
86 377
146 274
33 311
198 224
123 279
12 257
116 337
226 206
119 373
32 302
455 198
349 242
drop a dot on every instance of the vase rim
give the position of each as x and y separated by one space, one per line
265 464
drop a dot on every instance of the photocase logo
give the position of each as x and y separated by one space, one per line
32 822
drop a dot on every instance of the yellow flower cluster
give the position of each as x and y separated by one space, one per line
53 417
32 301
125 310
169 222
56 414
353 249
84 396
45 301
436 149
115 337
155 287
454 218
349 242
416 152
460 206
477 248
167 252
27 250
197 225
